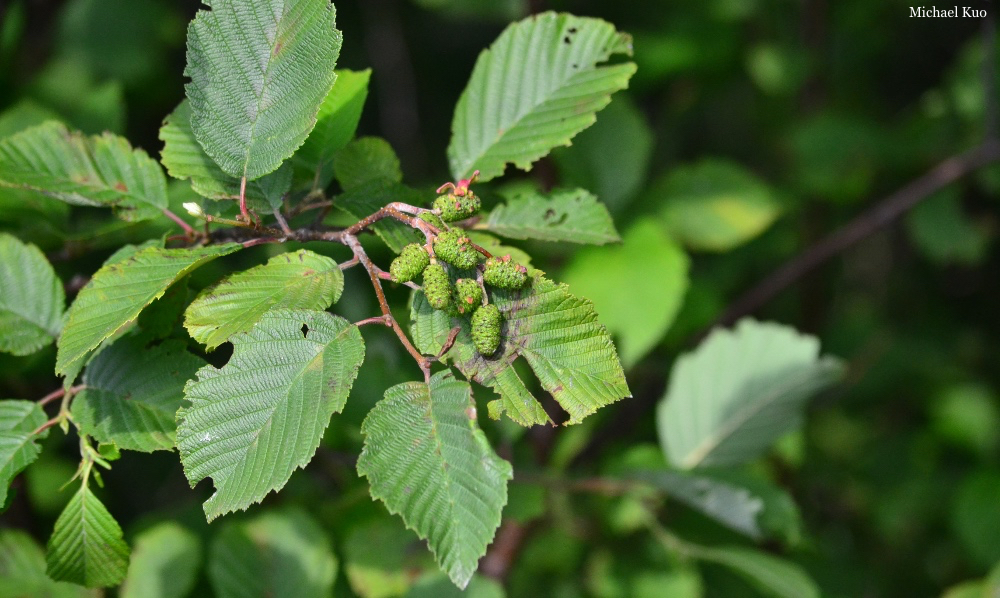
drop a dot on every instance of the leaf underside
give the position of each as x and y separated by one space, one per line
259 72
427 460
536 87
740 391
558 335
260 417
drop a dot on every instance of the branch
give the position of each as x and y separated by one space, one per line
879 216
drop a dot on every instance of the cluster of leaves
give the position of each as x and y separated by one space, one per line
739 140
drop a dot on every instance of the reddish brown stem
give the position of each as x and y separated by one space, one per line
46 425
188 231
55 395
243 200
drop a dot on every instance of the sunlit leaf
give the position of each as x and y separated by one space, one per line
536 87
427 460
261 416
573 216
86 546
254 101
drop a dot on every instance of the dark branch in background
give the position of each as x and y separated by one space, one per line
879 216
888 210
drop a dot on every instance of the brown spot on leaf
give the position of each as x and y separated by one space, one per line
121 187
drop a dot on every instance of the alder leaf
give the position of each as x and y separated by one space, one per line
259 73
18 422
739 392
297 280
366 160
283 553
120 290
86 546
185 159
103 170
133 393
536 87
367 199
559 336
32 300
573 215
427 460
164 563
774 576
261 417
336 123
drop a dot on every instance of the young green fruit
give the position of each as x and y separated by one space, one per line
486 329
468 295
434 220
457 207
437 286
454 248
409 263
503 273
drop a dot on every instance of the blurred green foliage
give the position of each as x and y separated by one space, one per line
751 129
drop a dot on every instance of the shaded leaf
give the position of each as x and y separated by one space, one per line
22 570
254 102
86 546
32 301
427 460
536 87
773 576
557 333
715 205
18 421
295 280
102 170
120 290
261 417
740 391
648 272
366 160
611 158
379 556
277 554
164 564
133 392
336 124
436 585
184 158
574 216
942 231
370 198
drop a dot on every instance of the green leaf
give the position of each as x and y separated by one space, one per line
427 460
366 160
774 576
739 392
637 288
261 417
371 197
536 87
32 301
259 73
941 230
336 124
379 555
559 336
572 215
184 158
103 170
22 115
18 421
436 585
277 554
120 290
86 546
297 280
22 570
974 518
165 563
715 205
752 507
610 159
133 392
